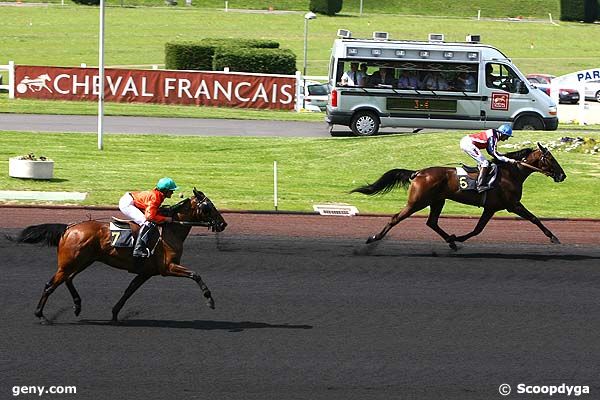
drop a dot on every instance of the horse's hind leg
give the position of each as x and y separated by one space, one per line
74 294
133 286
58 278
405 213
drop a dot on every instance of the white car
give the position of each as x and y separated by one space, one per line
317 97
592 90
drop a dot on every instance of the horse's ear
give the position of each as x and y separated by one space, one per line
542 148
199 195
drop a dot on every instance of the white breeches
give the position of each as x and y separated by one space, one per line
468 147
126 206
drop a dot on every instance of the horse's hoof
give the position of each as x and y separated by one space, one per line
453 246
210 303
44 321
554 240
115 321
371 239
77 310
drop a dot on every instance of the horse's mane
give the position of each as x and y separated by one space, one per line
519 154
170 210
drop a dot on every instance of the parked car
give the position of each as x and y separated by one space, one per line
542 82
317 95
592 90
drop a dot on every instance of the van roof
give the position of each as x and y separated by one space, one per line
351 48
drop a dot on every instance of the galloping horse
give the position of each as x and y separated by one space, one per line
80 244
432 186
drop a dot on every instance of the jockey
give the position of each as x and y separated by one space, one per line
142 208
471 144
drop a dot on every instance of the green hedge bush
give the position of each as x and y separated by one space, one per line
267 61
327 7
199 55
572 10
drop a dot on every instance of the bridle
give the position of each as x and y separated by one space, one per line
201 203
542 159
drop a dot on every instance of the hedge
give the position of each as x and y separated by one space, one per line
327 7
268 61
199 55
579 10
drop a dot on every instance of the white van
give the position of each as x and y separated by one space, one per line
432 84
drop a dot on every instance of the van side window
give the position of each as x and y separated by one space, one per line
500 76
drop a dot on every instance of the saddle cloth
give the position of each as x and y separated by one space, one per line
120 234
465 182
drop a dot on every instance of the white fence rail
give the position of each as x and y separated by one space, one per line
10 86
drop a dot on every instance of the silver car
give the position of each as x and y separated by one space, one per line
592 90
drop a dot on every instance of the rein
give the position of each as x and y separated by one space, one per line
187 223
534 168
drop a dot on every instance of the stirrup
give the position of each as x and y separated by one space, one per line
481 189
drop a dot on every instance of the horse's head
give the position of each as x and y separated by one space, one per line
203 210
544 160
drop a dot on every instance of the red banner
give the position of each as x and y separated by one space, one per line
157 86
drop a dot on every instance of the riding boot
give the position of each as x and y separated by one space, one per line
482 185
141 244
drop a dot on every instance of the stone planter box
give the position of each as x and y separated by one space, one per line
30 169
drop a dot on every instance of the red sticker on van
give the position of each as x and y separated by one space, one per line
500 101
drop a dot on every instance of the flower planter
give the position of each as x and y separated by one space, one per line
30 169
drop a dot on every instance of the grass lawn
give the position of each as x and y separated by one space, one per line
237 172
137 36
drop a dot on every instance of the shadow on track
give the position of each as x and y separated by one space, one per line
197 324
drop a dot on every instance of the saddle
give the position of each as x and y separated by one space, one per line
122 235
468 182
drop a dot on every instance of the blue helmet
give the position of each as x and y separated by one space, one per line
505 129
165 184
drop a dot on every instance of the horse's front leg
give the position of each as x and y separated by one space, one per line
521 211
181 271
483 220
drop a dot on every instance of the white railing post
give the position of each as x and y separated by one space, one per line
11 79
299 95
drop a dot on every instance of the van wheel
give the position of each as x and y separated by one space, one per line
364 123
528 123
598 96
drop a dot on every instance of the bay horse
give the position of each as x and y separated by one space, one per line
81 244
433 186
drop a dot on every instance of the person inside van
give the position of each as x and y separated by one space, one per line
465 82
408 80
490 79
351 78
435 81
473 144
385 76
363 75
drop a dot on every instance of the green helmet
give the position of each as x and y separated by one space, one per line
165 184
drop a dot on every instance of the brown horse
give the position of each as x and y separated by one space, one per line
432 186
81 244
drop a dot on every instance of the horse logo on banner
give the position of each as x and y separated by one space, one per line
35 85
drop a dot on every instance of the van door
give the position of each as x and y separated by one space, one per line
504 94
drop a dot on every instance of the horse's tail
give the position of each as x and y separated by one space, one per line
49 234
388 181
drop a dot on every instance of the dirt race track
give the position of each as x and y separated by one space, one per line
306 310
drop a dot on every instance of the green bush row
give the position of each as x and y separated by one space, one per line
244 55
327 7
579 10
